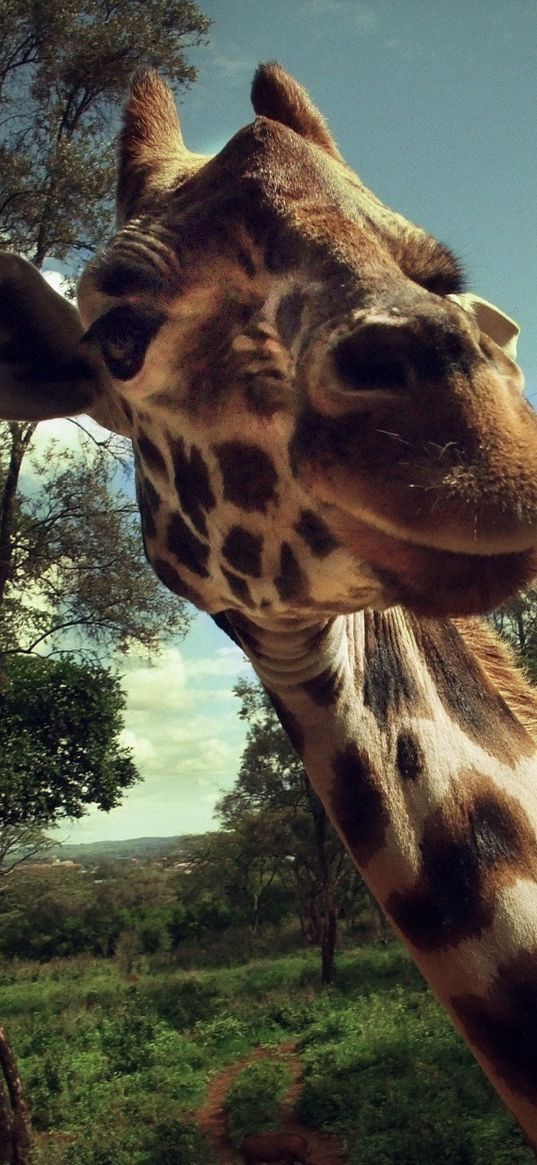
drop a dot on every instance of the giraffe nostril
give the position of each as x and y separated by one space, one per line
360 369
386 355
366 361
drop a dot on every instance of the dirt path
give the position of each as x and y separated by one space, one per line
322 1148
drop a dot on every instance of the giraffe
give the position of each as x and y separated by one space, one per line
335 460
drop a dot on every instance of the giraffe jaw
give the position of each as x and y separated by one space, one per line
431 581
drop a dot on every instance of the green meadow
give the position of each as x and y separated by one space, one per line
117 1065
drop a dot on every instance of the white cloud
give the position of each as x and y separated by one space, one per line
57 280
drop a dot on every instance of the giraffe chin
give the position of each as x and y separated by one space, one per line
434 582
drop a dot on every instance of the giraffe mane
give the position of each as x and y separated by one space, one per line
497 658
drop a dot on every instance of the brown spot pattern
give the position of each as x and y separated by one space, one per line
238 586
151 455
315 533
410 758
502 1025
243 550
326 688
291 582
249 475
479 840
186 548
192 484
388 684
173 581
148 502
357 803
264 391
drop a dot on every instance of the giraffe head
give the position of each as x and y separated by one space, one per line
319 421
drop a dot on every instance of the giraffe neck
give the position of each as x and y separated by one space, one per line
428 774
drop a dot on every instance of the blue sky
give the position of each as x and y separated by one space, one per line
434 104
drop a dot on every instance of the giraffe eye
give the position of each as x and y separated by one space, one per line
123 336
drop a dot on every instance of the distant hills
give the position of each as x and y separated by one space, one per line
134 847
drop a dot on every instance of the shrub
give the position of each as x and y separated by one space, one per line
126 1039
178 1142
182 1001
253 1099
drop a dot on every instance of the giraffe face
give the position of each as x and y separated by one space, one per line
317 426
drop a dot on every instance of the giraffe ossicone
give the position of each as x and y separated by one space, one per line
335 456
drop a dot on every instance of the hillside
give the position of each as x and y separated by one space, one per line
124 849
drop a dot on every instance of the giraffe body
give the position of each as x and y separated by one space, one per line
333 451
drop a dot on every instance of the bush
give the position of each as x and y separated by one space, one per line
253 1099
126 1039
178 1142
182 1000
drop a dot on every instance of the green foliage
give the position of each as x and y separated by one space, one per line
72 570
126 1038
59 741
278 851
64 68
253 1099
60 753
182 1000
179 1142
383 1067
516 621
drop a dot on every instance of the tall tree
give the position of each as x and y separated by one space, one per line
60 746
64 68
273 786
68 560
72 572
516 621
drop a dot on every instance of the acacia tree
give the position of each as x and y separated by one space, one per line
272 788
68 560
516 621
60 748
64 68
72 571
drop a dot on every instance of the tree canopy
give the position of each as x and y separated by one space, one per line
65 66
72 570
60 747
276 826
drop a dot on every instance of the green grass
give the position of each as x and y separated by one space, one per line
115 1070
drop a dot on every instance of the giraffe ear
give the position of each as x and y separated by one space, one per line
492 321
44 370
279 97
152 153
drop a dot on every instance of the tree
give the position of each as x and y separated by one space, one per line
240 867
64 68
72 572
19 843
273 791
60 751
516 621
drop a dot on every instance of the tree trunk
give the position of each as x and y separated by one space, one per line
14 1121
327 897
21 435
328 939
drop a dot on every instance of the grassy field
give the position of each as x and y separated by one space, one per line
115 1069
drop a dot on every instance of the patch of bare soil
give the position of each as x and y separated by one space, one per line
322 1149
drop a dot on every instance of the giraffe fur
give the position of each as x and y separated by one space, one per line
335 459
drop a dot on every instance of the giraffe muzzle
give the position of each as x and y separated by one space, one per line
395 356
417 425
